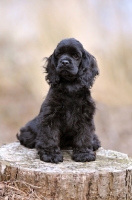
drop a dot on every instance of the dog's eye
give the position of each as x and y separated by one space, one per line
75 56
58 55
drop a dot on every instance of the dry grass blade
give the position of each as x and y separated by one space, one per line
15 189
28 184
9 190
37 196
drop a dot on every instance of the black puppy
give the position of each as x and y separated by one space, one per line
66 115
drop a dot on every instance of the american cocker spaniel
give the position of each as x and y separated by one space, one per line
66 115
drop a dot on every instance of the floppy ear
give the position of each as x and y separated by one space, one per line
52 77
88 70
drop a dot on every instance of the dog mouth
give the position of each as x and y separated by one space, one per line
67 75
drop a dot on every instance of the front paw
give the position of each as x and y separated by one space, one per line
51 157
84 156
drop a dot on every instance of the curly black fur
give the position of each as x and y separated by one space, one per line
66 116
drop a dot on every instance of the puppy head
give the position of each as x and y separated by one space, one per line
72 63
68 55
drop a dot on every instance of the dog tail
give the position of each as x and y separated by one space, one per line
26 137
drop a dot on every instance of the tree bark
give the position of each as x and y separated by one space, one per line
107 178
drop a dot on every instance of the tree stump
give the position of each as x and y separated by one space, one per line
107 178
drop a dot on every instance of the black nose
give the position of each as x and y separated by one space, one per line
65 62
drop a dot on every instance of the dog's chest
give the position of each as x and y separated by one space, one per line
73 109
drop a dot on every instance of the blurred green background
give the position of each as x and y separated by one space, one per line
30 31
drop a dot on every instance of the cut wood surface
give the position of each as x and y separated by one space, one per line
107 178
